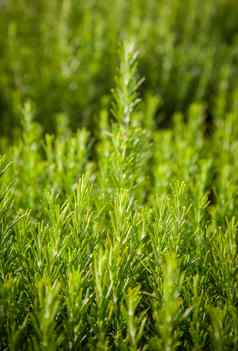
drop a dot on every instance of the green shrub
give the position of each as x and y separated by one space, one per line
125 243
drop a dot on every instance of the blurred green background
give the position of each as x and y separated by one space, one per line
62 55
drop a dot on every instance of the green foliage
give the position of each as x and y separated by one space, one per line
128 242
64 58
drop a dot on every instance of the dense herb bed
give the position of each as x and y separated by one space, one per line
132 249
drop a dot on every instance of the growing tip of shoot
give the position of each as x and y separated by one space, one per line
127 83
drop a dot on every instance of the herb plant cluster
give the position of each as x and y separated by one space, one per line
117 234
